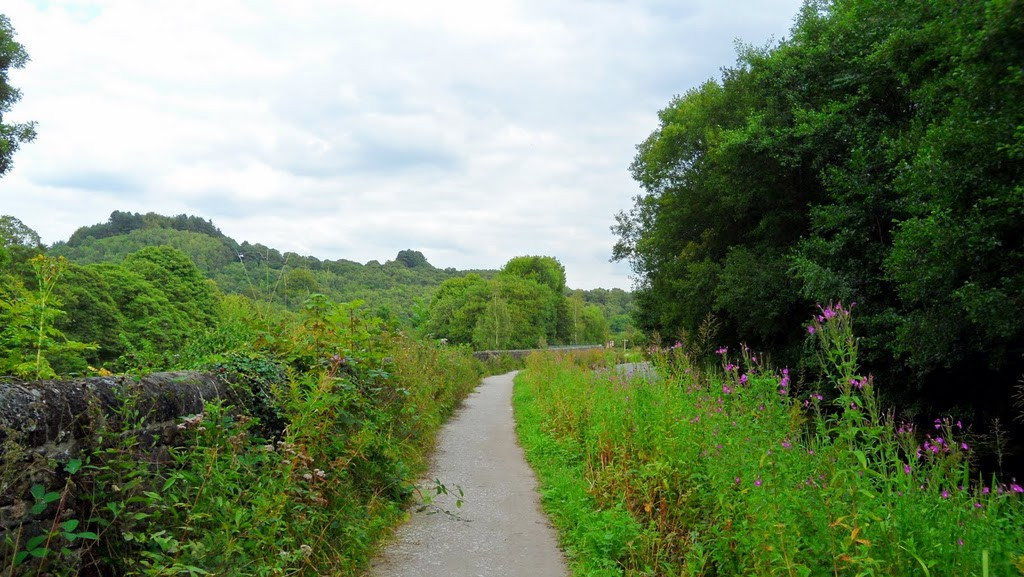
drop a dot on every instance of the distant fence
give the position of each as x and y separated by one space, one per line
521 353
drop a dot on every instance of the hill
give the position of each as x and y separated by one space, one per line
393 289
397 290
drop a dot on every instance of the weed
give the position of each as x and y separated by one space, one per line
737 472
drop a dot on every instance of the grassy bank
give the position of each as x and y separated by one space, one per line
735 472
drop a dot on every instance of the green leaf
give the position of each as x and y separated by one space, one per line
37 491
69 525
73 466
861 458
87 535
34 543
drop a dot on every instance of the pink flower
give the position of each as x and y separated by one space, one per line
722 350
1016 488
743 380
810 329
757 482
906 469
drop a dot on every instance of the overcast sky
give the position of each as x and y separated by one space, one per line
473 131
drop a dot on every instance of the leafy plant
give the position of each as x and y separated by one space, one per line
29 334
53 545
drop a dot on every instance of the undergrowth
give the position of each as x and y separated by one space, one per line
685 471
300 471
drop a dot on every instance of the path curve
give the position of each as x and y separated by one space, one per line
500 528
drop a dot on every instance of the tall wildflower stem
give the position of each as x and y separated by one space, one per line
48 271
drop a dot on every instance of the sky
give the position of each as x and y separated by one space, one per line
473 131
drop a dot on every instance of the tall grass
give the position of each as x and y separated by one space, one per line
734 472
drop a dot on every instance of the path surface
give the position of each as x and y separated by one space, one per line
500 529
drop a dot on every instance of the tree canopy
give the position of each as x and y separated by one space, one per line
874 156
12 135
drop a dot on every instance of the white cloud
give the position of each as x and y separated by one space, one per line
473 131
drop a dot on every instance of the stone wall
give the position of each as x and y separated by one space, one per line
45 424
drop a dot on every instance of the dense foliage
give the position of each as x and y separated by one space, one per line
740 470
524 306
12 135
300 471
400 291
875 157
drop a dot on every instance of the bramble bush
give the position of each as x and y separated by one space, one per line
741 471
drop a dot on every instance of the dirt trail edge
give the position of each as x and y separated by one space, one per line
500 528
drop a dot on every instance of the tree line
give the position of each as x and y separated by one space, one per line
873 157
148 296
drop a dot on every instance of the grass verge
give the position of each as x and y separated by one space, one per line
738 473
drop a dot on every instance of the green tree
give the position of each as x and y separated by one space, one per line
92 314
177 277
18 244
595 326
456 307
29 337
874 156
549 274
12 135
493 329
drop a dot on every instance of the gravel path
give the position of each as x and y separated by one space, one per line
500 529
